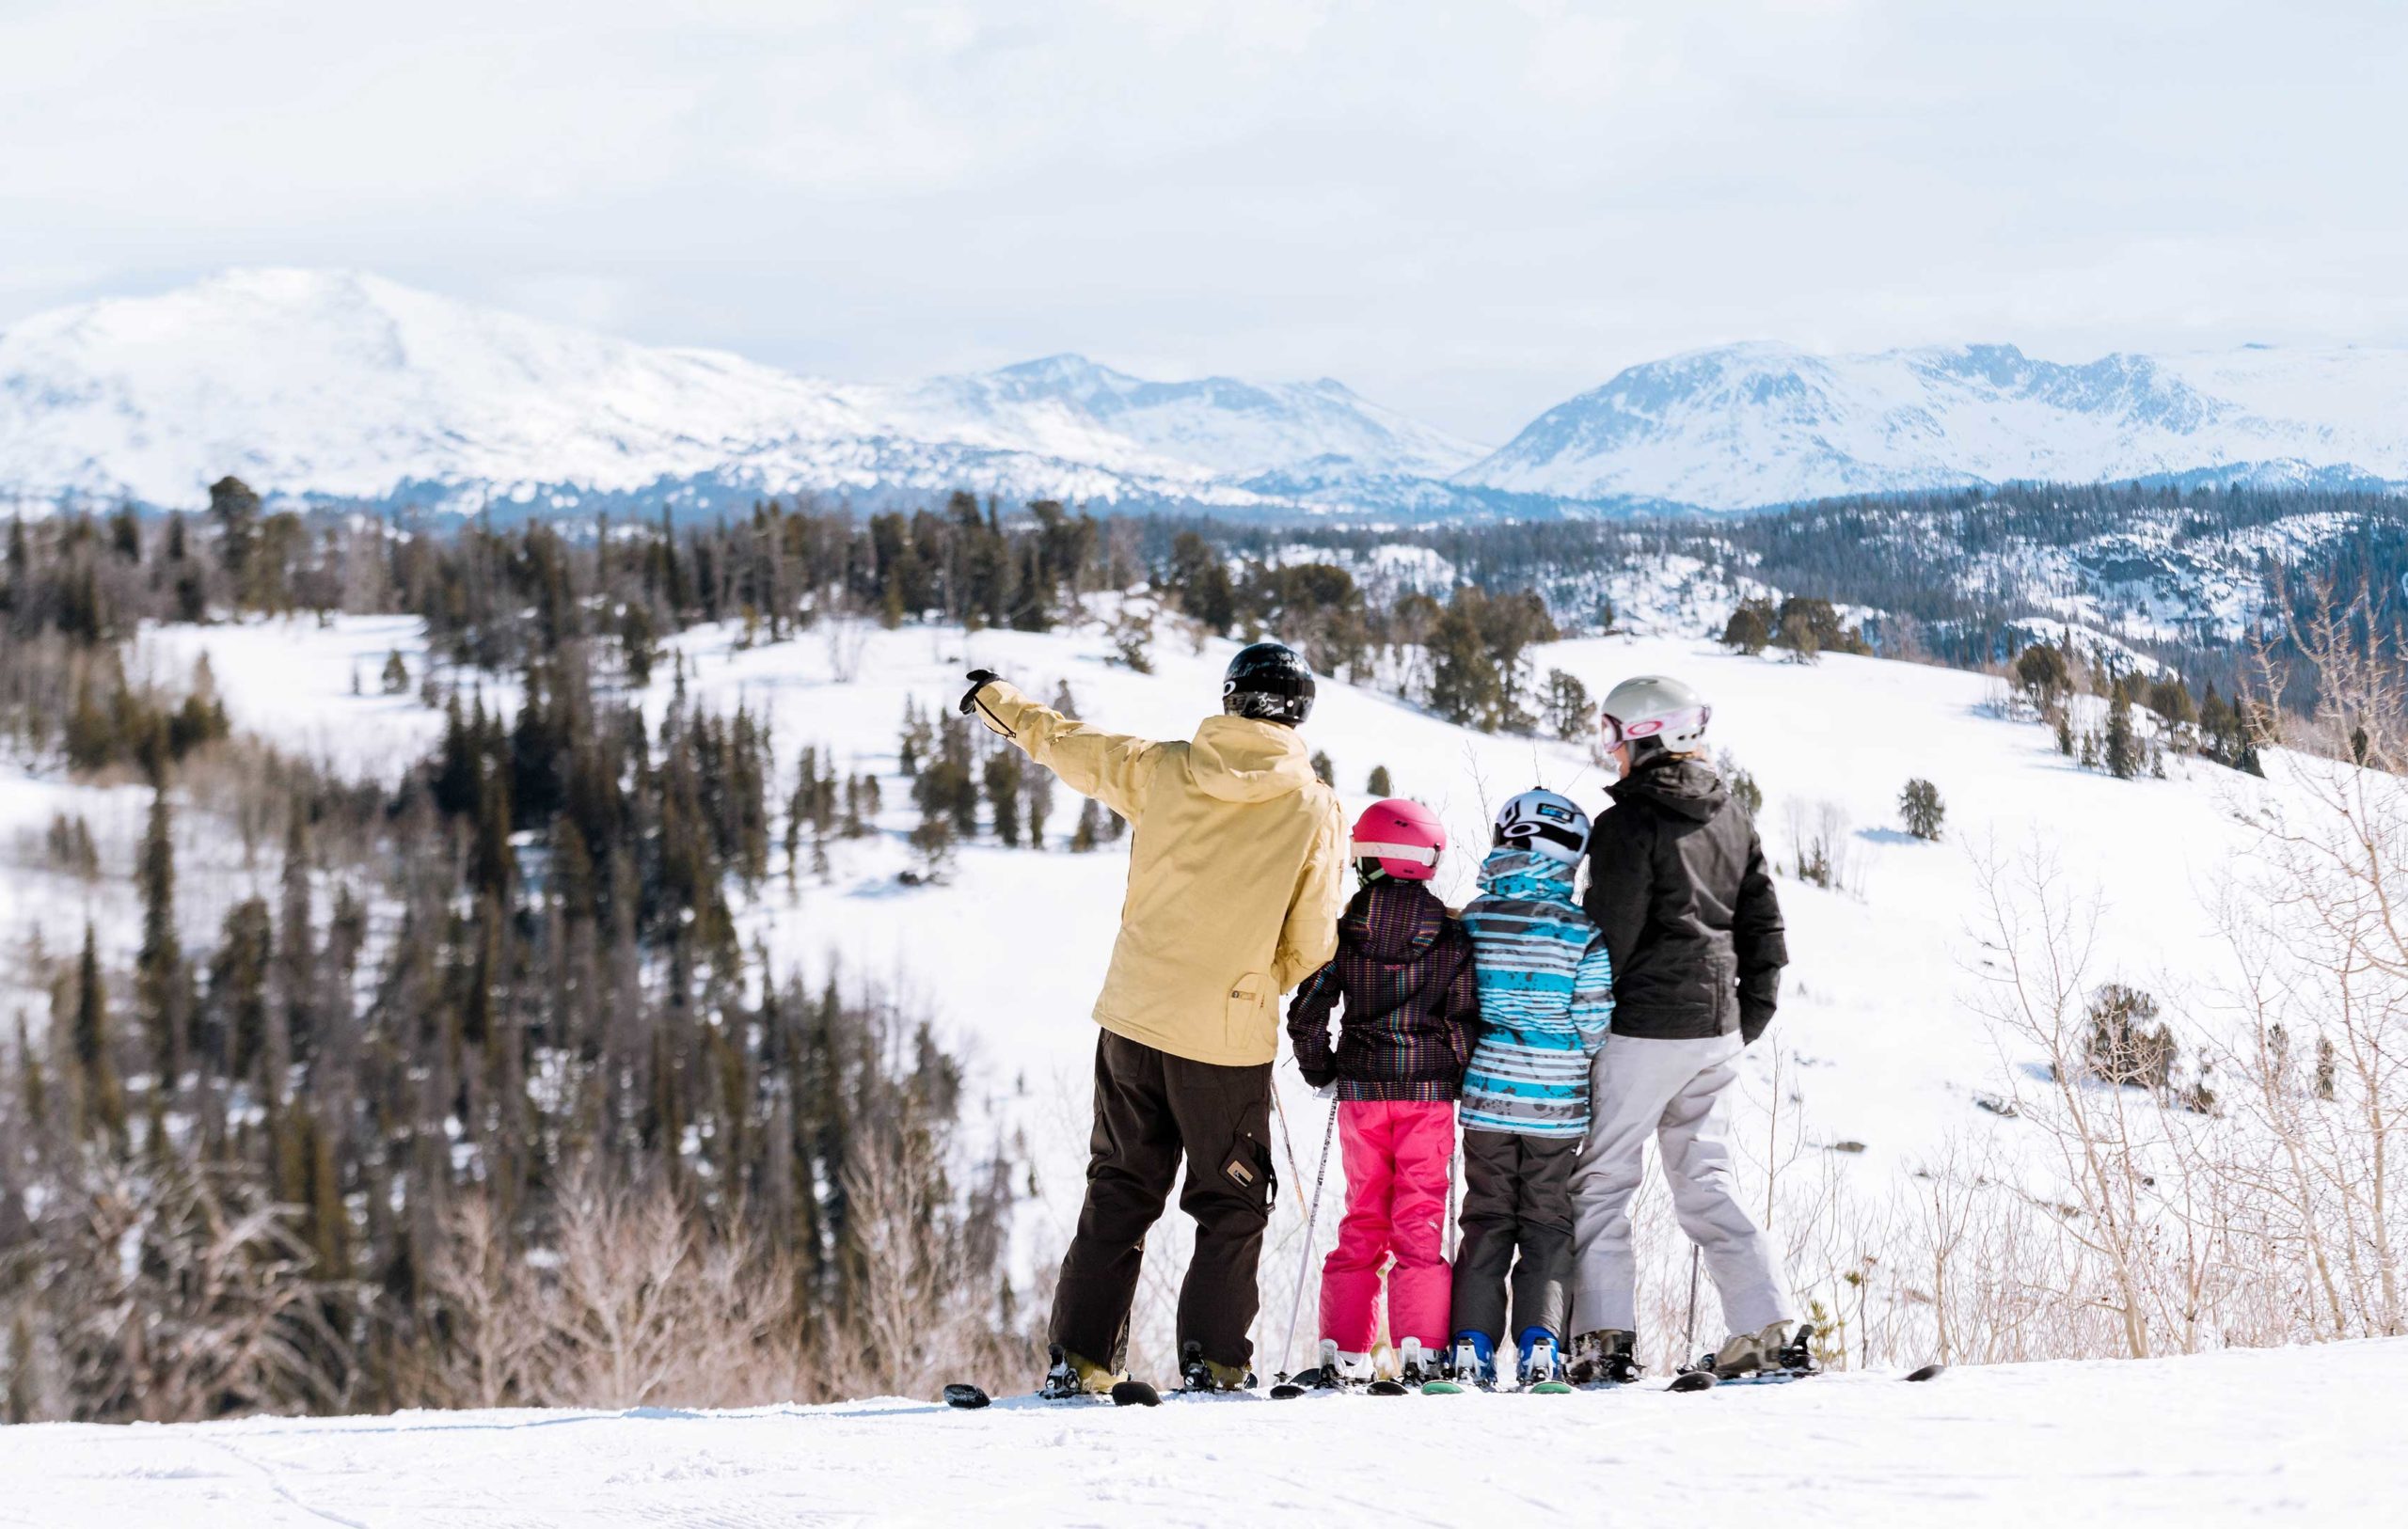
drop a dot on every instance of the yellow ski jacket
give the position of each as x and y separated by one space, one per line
1237 873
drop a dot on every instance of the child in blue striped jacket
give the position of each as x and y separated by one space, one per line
1546 1002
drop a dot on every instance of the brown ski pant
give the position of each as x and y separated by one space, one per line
1154 1112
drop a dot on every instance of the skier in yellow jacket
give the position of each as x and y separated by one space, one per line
1236 880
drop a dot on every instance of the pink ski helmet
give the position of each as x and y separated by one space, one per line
1404 837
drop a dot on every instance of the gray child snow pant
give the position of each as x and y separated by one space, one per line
1517 1195
1674 1091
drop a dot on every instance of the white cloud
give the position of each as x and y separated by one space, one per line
1467 209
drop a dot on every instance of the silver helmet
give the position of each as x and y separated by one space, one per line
1544 824
1653 706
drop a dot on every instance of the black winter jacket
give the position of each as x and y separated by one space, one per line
1677 882
1405 970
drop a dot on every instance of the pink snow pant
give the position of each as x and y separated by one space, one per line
1396 1157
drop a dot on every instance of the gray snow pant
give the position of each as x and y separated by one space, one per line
1673 1091
1154 1114
1516 1198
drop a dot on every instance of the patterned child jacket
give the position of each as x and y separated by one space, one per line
1545 999
1404 968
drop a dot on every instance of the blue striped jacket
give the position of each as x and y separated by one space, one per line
1545 999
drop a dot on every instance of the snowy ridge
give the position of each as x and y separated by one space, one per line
344 385
1748 426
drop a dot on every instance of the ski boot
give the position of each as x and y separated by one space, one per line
1069 1375
1198 1374
1604 1357
1541 1372
1778 1350
1343 1371
1472 1362
1415 1366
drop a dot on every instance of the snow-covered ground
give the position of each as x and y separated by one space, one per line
2266 1437
1878 1064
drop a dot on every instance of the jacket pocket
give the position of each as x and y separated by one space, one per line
1722 978
1247 1017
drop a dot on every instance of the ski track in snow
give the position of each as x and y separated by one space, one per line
2287 1436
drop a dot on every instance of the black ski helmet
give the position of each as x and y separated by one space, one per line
1269 681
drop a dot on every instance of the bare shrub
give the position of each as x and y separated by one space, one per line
846 633
1821 850
165 1296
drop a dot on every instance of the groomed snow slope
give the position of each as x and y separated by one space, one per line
2297 1436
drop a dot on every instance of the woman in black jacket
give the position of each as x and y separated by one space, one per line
1677 882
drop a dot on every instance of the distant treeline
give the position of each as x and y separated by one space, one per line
1909 557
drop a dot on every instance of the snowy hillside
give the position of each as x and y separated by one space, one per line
346 384
1884 1089
1881 1059
2282 1437
1745 426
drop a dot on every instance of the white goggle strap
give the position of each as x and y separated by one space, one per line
1369 849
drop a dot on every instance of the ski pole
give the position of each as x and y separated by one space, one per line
1295 1175
1304 1263
1688 1335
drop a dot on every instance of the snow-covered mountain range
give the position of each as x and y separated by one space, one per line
347 386
1747 426
343 385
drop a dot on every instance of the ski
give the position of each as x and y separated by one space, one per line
1135 1393
969 1398
1300 1385
1442 1388
1795 1361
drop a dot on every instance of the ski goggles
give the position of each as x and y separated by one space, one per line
1371 849
1613 732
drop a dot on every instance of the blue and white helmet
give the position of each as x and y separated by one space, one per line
1544 824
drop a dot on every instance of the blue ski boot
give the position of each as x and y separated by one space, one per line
1472 1362
1541 1370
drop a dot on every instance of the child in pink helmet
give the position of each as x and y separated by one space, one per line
1404 972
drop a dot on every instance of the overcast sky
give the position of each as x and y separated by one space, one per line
1468 210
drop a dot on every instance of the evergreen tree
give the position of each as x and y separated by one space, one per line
1464 685
1921 808
162 984
1037 801
2122 750
94 1048
1003 773
1749 628
1570 714
1379 785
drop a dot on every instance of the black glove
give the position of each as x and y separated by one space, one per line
1319 1077
979 679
